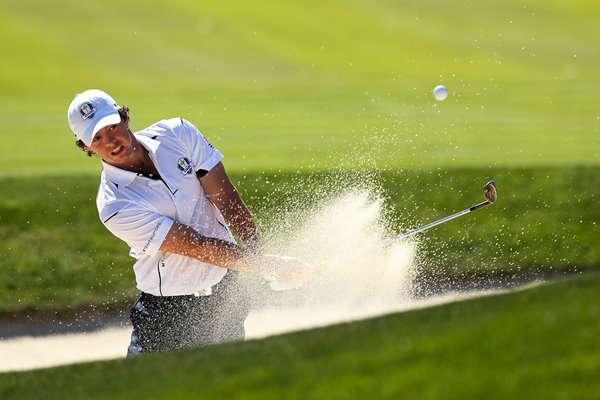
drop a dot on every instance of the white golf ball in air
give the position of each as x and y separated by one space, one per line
440 92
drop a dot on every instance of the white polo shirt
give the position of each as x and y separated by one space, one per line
141 210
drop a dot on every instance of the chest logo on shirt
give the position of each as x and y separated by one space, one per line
185 165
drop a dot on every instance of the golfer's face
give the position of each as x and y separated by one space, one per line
113 143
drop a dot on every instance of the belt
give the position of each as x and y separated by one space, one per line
209 290
201 293
204 292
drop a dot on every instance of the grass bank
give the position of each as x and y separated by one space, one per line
57 258
534 343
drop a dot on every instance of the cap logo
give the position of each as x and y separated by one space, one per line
185 165
87 110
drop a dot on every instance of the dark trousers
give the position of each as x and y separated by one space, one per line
162 323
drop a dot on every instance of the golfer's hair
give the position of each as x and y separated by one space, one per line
123 112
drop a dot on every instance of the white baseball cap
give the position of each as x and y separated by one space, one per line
91 111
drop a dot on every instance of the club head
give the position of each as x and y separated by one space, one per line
490 192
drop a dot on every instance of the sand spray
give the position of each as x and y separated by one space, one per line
341 235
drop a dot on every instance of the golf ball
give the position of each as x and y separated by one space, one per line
440 92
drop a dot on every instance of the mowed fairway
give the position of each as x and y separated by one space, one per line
310 84
306 98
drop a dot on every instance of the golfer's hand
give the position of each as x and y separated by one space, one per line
288 272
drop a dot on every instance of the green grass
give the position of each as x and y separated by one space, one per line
58 258
301 95
534 343
343 77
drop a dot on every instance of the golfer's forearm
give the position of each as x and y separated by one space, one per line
238 217
223 194
241 222
186 241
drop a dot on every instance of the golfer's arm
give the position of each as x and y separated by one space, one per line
224 195
185 241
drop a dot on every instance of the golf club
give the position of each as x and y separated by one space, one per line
491 195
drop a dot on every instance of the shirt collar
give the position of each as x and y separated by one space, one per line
149 143
118 176
123 177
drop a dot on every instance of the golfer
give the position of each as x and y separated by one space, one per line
164 191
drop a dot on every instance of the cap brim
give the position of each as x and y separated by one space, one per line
110 119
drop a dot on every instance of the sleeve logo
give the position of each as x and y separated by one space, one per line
185 165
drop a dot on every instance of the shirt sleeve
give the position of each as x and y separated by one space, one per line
204 155
144 231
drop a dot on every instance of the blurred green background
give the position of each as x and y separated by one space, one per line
311 83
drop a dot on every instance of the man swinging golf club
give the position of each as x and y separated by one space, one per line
164 191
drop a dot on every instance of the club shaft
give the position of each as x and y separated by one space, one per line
438 222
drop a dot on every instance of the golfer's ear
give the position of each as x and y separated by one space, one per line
84 148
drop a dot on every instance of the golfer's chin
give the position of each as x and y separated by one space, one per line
119 158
